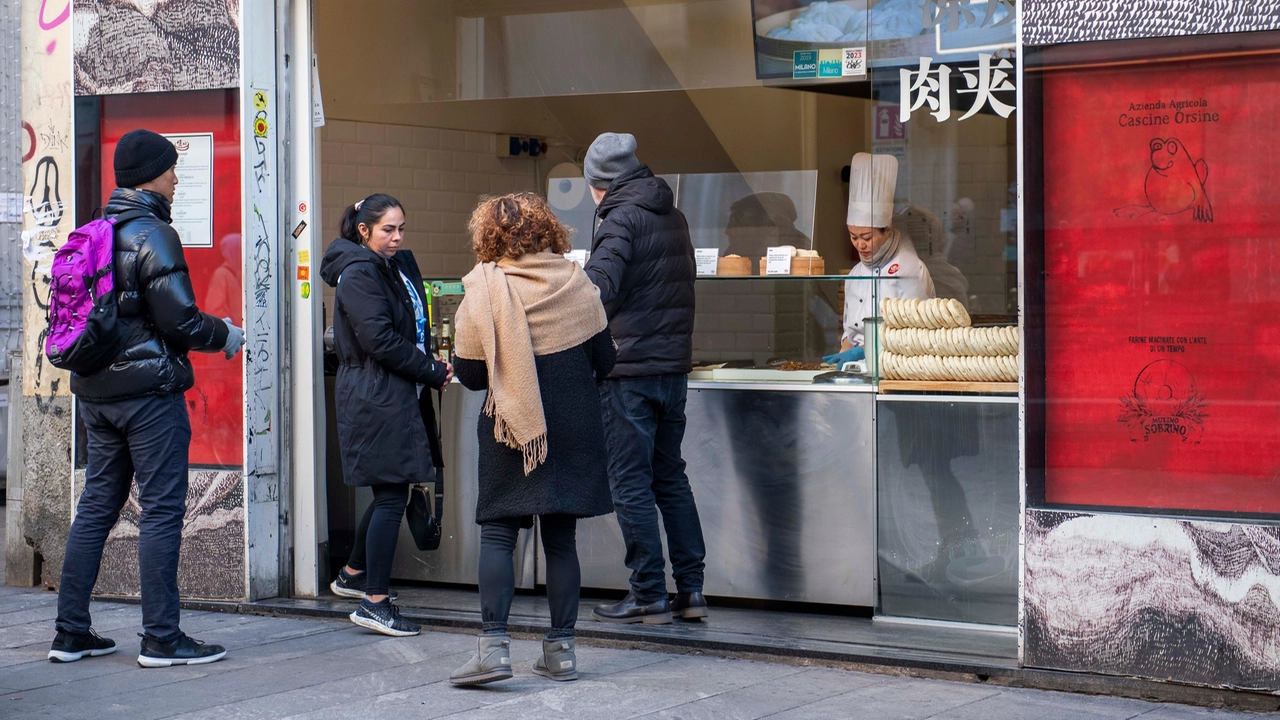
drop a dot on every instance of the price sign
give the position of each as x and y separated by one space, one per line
708 259
777 261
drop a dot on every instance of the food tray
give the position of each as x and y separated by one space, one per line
757 375
949 386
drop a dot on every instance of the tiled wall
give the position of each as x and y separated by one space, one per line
438 175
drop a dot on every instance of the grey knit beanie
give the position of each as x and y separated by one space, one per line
610 156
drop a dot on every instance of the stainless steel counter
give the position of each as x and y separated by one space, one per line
784 477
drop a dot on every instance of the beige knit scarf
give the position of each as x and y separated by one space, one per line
538 304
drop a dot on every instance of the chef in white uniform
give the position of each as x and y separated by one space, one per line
883 251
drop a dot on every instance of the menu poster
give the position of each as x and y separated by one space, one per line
193 199
1162 285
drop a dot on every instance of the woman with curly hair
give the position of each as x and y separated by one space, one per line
532 332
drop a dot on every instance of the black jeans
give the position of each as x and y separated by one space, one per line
644 427
376 535
148 440
498 579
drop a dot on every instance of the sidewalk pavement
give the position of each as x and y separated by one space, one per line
321 669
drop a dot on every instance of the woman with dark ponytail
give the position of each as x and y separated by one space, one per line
386 425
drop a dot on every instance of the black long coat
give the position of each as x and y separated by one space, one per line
574 480
383 435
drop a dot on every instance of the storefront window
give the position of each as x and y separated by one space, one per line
1154 254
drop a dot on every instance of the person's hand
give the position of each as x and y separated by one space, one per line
853 354
448 374
235 339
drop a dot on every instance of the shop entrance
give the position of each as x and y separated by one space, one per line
445 105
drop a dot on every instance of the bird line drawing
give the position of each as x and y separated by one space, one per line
1174 183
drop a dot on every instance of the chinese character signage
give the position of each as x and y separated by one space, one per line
847 36
1162 284
988 84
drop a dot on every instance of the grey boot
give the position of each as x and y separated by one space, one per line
491 662
558 661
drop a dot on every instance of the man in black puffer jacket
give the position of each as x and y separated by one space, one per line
642 261
135 414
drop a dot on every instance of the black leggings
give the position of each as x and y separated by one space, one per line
498 580
376 536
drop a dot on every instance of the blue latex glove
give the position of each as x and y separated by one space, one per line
853 354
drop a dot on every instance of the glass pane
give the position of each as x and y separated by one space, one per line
1161 253
947 488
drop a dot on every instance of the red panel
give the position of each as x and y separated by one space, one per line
217 400
1163 287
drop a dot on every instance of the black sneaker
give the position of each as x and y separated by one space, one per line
385 618
183 650
70 647
352 586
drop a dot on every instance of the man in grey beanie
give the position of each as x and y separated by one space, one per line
642 261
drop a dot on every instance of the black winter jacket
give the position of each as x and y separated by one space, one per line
157 308
642 261
574 480
384 434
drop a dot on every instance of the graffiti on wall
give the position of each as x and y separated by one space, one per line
132 46
46 181
261 361
1194 602
211 564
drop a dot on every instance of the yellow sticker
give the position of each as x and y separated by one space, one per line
304 257
260 127
260 100
306 290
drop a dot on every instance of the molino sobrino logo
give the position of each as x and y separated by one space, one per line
1165 401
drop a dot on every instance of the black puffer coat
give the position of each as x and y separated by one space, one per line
642 261
383 434
574 480
157 308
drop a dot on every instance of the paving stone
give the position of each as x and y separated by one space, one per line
1016 704
341 694
769 698
893 699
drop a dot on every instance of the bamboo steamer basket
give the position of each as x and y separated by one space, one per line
801 266
733 266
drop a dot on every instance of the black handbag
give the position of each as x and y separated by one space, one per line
424 524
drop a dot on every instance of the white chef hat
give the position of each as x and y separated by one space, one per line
872 179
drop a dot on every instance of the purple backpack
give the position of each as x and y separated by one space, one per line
83 337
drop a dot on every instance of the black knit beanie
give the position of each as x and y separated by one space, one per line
143 156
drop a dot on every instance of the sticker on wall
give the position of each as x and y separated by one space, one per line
304 272
304 257
830 63
302 207
259 101
260 127
296 233
804 64
854 62
306 290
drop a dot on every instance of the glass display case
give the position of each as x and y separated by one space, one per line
776 329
